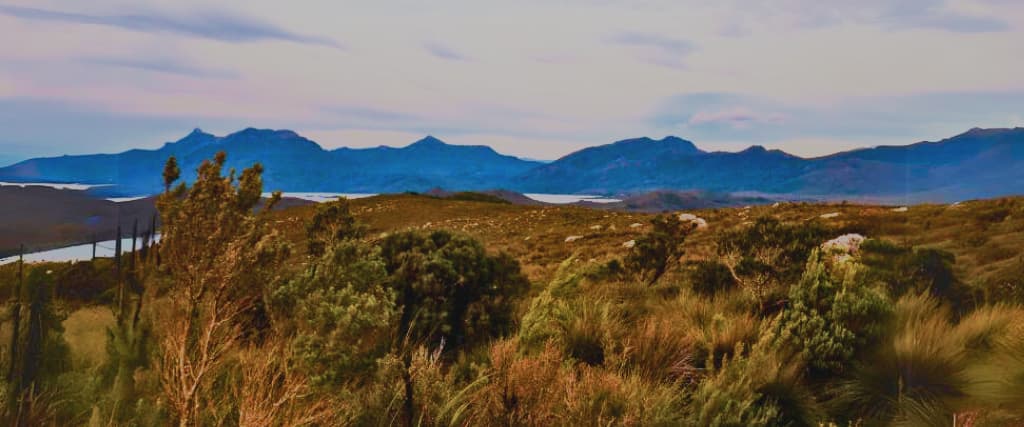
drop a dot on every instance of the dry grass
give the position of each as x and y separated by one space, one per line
85 331
535 235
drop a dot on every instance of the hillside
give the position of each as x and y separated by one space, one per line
45 218
587 339
986 236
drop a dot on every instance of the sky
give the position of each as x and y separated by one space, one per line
532 78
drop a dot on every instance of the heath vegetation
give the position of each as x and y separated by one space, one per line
413 310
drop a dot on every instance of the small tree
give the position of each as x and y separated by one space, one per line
449 287
218 254
449 291
42 353
832 314
658 250
171 173
332 223
768 255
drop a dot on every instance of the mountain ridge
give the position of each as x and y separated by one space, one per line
975 163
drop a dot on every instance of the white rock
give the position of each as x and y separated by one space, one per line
595 227
847 243
693 219
901 209
629 244
829 215
571 239
635 225
776 204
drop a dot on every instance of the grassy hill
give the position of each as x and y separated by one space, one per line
986 236
591 344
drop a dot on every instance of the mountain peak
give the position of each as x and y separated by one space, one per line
755 149
983 132
429 141
253 132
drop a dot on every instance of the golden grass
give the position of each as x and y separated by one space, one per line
535 235
85 331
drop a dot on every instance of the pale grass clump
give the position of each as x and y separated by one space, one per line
542 389
525 390
438 397
714 325
658 351
270 394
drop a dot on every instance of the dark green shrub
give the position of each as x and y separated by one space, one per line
333 222
789 244
447 286
710 277
655 252
904 269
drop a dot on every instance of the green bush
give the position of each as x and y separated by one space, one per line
655 252
832 315
333 222
710 277
448 287
338 312
790 243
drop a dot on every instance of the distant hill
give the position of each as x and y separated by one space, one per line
291 163
976 164
44 218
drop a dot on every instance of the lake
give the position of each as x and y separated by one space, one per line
77 252
106 249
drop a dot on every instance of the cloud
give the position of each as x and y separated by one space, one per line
657 49
206 24
444 52
863 121
160 65
365 114
736 117
902 14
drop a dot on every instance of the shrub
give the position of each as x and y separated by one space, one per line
789 246
447 286
907 270
338 312
333 222
655 252
710 277
832 314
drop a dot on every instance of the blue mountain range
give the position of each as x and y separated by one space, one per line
977 163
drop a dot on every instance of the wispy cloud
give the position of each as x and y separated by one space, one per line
736 117
659 49
439 50
365 114
903 14
873 120
160 65
213 25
